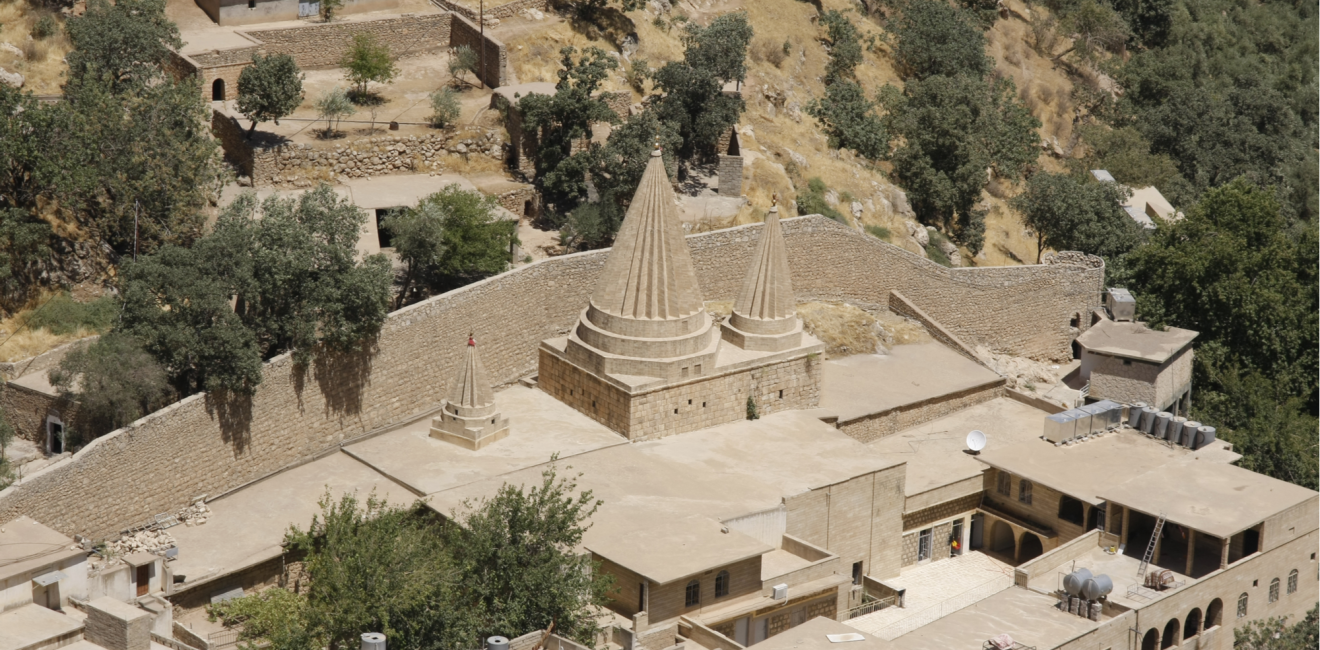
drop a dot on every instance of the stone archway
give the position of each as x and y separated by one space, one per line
1171 630
1193 625
218 90
1001 538
1029 547
1151 641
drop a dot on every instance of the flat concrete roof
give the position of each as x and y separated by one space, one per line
247 527
1087 469
686 546
1211 497
26 545
540 426
934 451
812 636
862 384
1122 569
1132 340
1031 618
718 473
31 624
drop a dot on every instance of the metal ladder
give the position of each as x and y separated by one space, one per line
1150 548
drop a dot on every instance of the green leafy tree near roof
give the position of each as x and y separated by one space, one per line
269 89
845 46
850 120
1070 213
1274 633
694 98
936 38
114 381
366 61
564 118
127 40
952 129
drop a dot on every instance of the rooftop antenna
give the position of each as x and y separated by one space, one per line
976 441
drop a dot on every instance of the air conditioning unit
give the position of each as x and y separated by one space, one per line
780 591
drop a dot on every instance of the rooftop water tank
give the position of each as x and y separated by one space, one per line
1113 413
1176 429
1134 415
1097 419
1072 583
1162 424
1060 426
373 641
1097 587
1204 437
1148 420
497 643
1083 420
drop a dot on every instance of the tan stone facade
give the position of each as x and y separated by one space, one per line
1129 381
875 426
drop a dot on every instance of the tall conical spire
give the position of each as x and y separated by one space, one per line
767 293
472 390
765 315
469 418
649 273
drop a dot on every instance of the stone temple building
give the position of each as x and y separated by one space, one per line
469 418
646 358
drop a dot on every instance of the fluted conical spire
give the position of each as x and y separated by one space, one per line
767 293
472 390
649 273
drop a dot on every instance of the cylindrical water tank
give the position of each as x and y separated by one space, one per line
1072 583
1176 429
1204 437
497 643
1095 588
1162 420
1134 415
1148 420
373 641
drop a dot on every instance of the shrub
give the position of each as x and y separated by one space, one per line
464 59
45 27
64 315
114 381
367 61
444 108
332 106
813 201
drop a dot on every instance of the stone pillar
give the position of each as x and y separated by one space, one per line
1191 550
1125 526
1159 541
1223 554
730 173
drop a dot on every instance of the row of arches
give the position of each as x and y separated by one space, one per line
1176 631
1023 547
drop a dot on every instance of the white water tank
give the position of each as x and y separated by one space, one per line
1204 437
373 641
497 643
1148 420
1072 583
1134 415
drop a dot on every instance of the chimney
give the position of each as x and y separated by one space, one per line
115 625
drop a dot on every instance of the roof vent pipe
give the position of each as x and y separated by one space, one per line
373 641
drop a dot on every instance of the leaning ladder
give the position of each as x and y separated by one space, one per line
1150 548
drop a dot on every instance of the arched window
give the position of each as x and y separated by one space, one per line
1242 605
1193 625
1214 613
218 90
722 584
1024 491
1004 483
1075 321
1274 590
1151 641
1292 582
1071 509
692 595
1170 633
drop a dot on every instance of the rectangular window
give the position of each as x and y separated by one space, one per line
923 544
692 595
857 573
1024 491
955 538
641 596
1004 483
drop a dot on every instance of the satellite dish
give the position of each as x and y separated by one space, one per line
976 440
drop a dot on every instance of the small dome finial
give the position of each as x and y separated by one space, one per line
656 152
471 341
774 202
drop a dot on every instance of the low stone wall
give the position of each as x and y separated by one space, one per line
501 12
26 411
44 361
875 426
207 445
279 163
899 304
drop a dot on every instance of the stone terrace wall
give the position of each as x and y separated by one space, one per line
501 12
201 445
495 60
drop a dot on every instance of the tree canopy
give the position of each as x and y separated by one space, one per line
1074 214
937 38
127 41
114 382
366 61
269 89
694 99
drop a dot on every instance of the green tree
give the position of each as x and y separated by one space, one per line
1068 213
333 105
298 284
564 118
952 130
114 381
517 554
453 237
1096 28
850 120
936 38
366 61
1126 155
269 89
1274 633
463 59
445 108
129 41
845 46
693 89
328 9
1236 271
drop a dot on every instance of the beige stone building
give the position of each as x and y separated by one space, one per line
1129 362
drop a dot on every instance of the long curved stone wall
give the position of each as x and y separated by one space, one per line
201 445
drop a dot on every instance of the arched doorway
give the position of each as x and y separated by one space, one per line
1151 641
1001 538
1029 548
1193 625
218 90
1214 613
528 210
1170 633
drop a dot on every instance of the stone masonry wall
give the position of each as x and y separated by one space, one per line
26 411
205 445
875 426
501 12
731 174
494 60
44 361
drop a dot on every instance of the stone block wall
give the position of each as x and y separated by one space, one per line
494 61
26 411
501 12
206 445
118 626
44 361
696 404
730 173
921 518
875 426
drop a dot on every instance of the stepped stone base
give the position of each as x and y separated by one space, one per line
469 433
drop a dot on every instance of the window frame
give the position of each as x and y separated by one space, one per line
1004 483
1274 590
925 540
692 594
1242 603
1292 582
722 584
1025 488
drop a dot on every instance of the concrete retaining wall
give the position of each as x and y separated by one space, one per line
206 445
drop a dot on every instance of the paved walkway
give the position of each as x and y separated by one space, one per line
936 590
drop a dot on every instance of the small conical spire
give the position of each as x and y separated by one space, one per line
767 293
649 273
472 390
